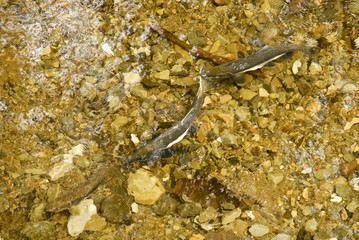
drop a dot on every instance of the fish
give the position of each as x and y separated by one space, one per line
172 135
75 195
252 62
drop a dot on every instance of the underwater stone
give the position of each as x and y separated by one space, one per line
145 187
258 230
81 214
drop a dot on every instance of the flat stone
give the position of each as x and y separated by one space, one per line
258 230
163 75
247 94
207 215
281 236
275 177
144 187
311 225
229 140
230 216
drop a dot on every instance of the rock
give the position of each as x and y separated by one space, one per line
145 187
247 94
117 208
119 122
229 217
88 91
343 189
139 91
96 223
311 225
263 93
229 140
296 65
165 205
281 236
179 70
346 169
315 68
352 206
163 75
240 227
275 177
222 2
80 215
39 230
189 209
258 230
225 98
207 215
131 78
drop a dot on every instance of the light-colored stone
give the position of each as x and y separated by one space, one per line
229 217
80 215
258 230
144 187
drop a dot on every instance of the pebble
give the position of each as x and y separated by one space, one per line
229 140
189 209
229 217
39 230
247 94
163 75
96 223
116 208
80 215
281 236
311 225
131 78
119 122
296 65
352 206
165 205
275 177
240 227
315 68
207 215
225 98
258 230
145 187
139 91
263 93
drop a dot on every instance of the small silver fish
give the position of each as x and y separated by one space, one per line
174 134
252 62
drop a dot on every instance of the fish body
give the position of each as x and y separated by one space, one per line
172 135
252 62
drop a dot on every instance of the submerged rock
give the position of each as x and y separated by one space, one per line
145 187
81 214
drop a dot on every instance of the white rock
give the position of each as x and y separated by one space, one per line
134 207
335 198
258 230
356 43
144 187
107 49
355 183
60 169
81 214
77 150
131 78
296 65
135 139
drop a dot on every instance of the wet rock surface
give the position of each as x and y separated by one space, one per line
275 154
